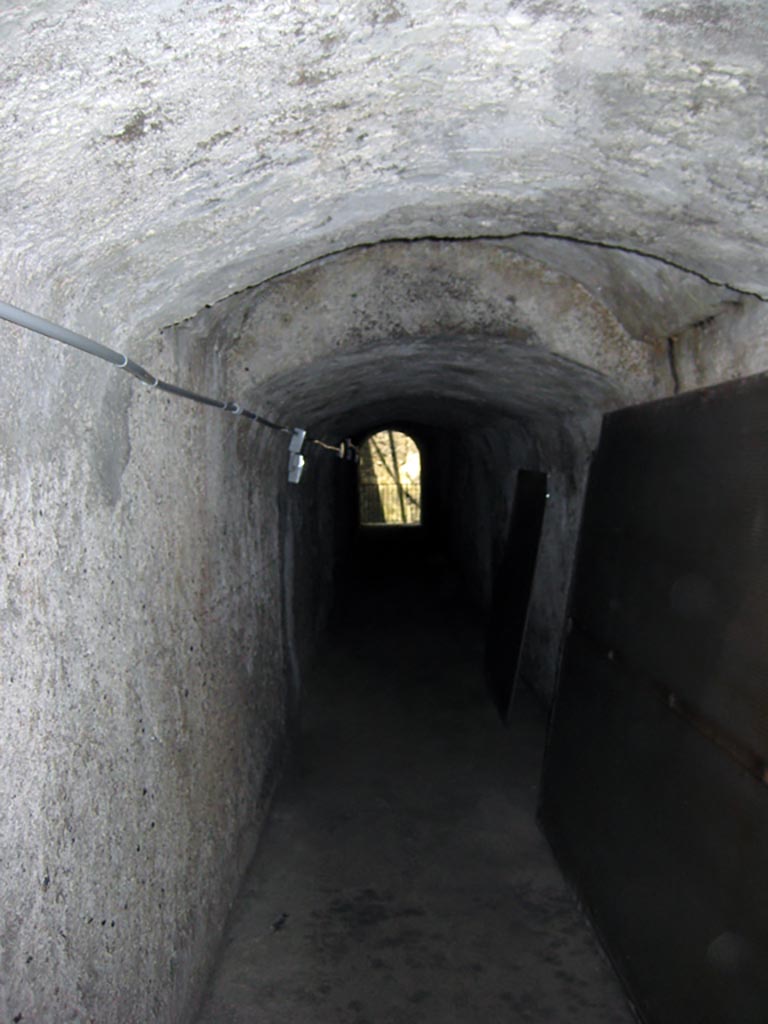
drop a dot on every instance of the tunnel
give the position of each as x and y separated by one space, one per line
529 235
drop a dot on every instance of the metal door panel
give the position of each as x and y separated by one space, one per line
654 794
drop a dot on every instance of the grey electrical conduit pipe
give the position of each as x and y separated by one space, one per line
94 348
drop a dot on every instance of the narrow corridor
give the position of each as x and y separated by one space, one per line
402 877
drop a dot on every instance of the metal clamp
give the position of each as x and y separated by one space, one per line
348 452
295 458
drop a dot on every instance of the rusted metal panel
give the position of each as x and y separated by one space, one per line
654 793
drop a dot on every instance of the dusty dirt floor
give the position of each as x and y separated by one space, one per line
402 878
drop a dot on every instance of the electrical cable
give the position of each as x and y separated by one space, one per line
324 444
346 450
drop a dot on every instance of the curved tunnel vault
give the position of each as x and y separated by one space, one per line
501 362
486 222
495 359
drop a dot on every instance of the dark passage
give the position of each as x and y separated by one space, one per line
512 589
402 877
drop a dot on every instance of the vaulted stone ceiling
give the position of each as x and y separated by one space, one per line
159 155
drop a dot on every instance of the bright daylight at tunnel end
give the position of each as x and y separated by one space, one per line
486 281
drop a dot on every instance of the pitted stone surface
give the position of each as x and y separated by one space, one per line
468 321
166 154
143 695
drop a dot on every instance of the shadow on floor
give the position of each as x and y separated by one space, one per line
401 878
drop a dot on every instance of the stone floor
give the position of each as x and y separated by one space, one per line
402 878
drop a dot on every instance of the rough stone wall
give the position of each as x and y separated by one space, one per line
731 345
170 152
493 312
142 696
318 525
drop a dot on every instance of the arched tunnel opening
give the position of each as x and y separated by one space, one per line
402 865
261 758
501 369
398 743
401 682
474 351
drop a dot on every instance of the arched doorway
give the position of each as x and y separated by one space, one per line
389 483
